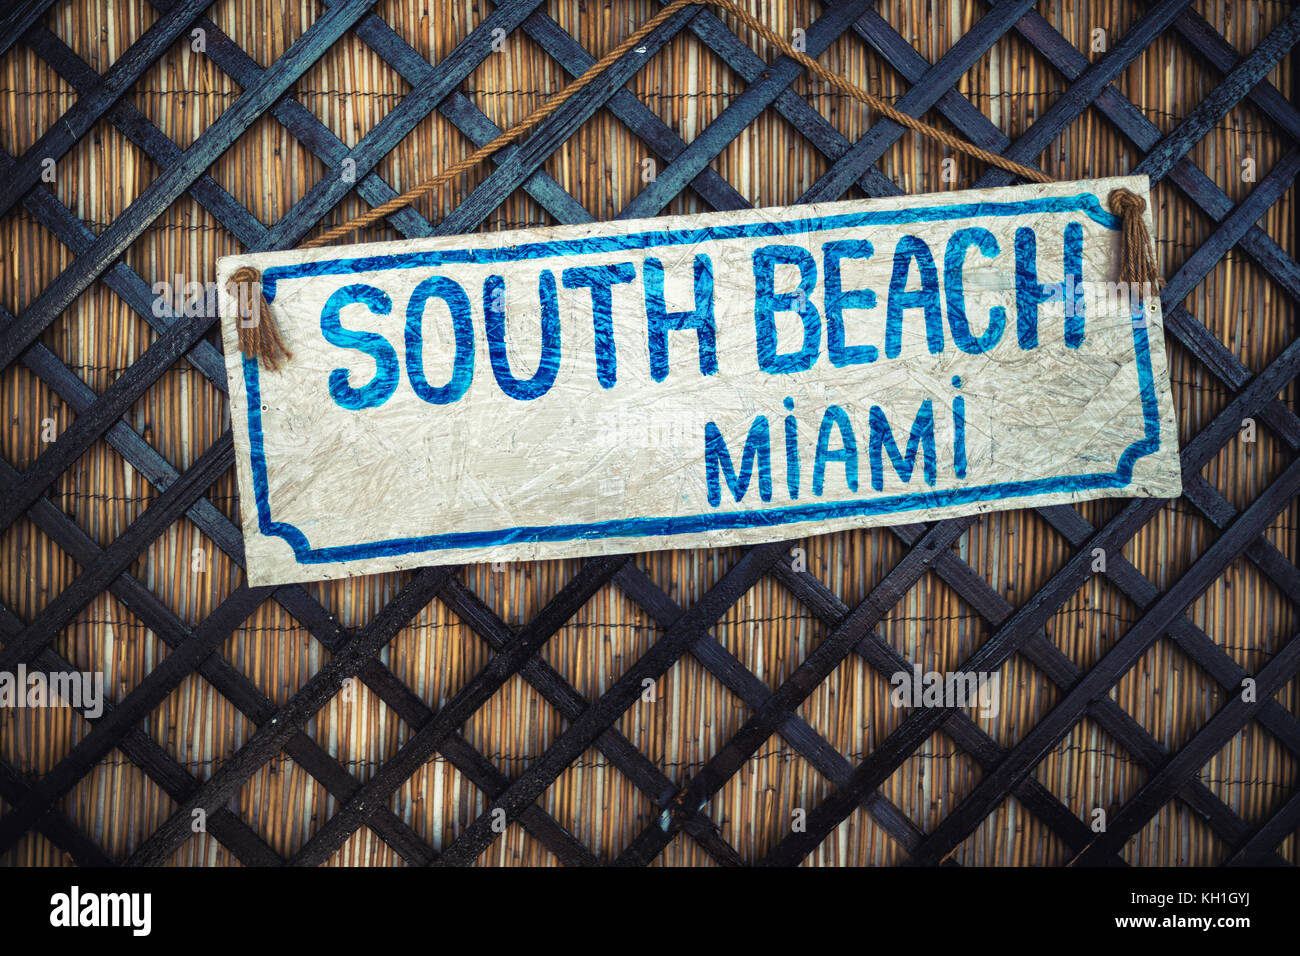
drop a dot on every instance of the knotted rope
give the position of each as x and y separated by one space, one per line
1137 264
259 337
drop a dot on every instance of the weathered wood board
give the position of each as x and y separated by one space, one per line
695 381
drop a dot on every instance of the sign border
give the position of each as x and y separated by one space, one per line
663 526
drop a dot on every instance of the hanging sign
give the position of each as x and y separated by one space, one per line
694 381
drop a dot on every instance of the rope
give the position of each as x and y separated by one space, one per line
880 106
259 336
1137 265
1137 258
505 139
596 69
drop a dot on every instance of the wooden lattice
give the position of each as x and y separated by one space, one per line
1008 769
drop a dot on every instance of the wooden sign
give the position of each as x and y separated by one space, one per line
695 381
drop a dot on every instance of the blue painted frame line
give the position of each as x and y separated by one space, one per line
1086 203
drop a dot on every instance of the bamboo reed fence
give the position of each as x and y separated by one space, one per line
124 558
